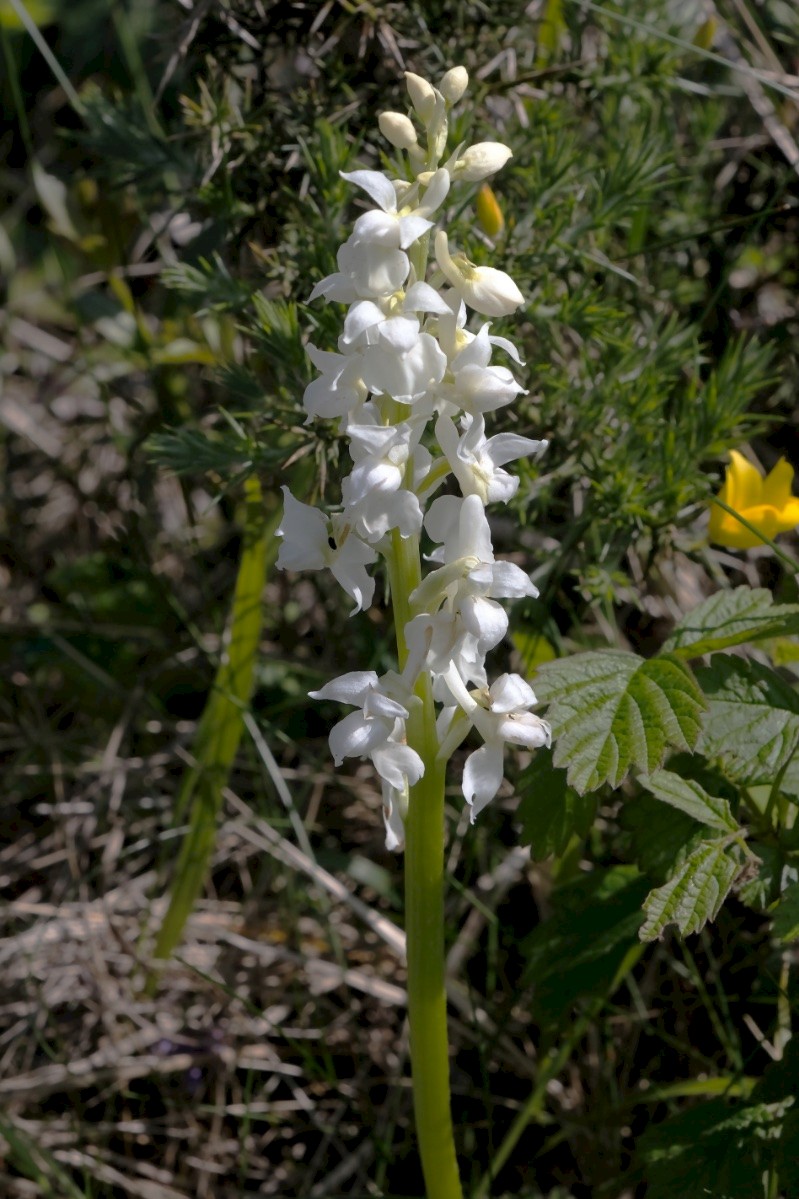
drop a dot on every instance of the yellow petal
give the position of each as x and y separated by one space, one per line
777 484
767 504
726 530
773 520
743 485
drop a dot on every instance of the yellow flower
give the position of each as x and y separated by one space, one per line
767 503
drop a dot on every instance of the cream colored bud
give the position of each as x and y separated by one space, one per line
397 129
423 96
454 84
481 160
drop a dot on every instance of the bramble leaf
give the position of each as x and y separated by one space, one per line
612 711
695 893
786 915
732 618
691 797
551 811
752 721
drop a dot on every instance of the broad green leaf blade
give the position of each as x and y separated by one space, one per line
660 837
694 895
551 811
577 952
716 1150
786 915
613 711
752 722
691 797
732 618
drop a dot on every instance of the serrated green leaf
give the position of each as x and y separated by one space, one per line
662 838
752 721
694 895
691 797
786 915
714 1149
612 711
551 811
732 618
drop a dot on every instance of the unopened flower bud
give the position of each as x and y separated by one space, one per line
397 129
423 96
454 84
481 160
489 213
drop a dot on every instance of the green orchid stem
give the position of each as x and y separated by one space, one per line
221 725
424 908
789 562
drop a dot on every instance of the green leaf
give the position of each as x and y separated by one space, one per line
714 1149
722 1149
695 893
690 797
732 618
786 915
579 950
612 711
752 721
661 837
551 811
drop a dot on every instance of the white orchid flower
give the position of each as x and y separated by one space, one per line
376 730
311 541
501 716
477 460
483 288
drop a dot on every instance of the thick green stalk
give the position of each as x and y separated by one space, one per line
424 910
221 725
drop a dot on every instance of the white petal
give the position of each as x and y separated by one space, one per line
377 186
359 323
507 447
510 692
351 688
524 728
492 292
305 532
356 737
392 818
421 297
442 517
378 229
411 229
482 160
436 193
485 620
510 582
482 776
335 287
378 704
398 764
508 347
348 568
474 534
